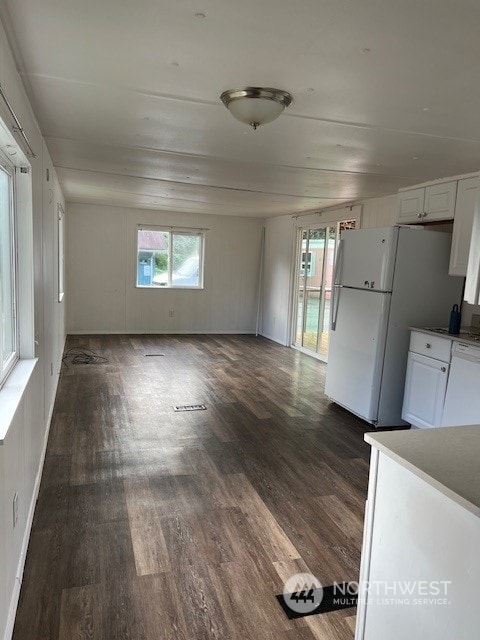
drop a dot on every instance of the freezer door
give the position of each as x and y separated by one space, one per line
367 258
357 347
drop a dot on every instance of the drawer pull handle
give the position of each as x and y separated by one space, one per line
443 369
428 345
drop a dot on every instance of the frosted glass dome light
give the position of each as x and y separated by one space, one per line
256 105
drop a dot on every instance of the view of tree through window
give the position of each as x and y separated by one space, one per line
169 258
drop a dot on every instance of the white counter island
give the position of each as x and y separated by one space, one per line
420 567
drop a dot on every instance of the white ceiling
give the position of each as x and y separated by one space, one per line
386 94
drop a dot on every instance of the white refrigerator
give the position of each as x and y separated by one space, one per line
385 281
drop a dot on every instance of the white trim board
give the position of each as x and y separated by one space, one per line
12 609
439 181
101 332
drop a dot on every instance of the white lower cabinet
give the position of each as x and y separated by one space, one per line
425 387
426 380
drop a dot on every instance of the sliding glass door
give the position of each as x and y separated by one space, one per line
316 249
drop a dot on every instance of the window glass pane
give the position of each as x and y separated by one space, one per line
7 270
152 258
171 258
186 252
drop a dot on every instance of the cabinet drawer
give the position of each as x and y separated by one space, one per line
431 346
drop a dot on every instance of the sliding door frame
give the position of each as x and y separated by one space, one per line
315 221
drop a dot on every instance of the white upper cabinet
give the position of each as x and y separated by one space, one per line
410 205
462 227
427 204
440 201
450 199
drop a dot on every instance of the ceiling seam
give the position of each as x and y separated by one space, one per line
196 184
95 201
348 172
286 114
149 195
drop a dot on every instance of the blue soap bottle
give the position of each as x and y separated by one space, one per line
455 320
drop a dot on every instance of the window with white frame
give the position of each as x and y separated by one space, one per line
8 272
170 258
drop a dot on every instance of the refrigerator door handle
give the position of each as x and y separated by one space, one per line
335 299
336 283
338 261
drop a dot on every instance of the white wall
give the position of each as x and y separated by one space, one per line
21 454
101 271
277 278
379 212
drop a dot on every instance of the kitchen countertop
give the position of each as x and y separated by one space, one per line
447 459
441 332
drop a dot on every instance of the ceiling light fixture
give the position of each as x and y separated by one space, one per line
256 105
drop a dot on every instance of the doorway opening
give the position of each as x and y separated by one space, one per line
315 257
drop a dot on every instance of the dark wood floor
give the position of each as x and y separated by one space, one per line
158 525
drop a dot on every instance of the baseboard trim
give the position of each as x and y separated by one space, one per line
12 610
233 332
269 337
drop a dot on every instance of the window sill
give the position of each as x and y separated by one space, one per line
11 393
159 288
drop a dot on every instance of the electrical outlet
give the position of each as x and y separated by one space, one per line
15 510
170 313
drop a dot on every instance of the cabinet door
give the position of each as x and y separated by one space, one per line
440 201
425 387
462 226
411 205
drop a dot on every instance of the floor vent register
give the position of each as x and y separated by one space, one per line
189 407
